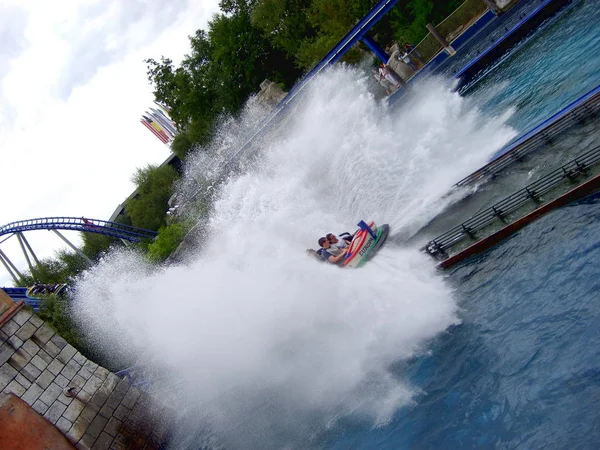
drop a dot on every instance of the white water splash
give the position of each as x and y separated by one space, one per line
267 347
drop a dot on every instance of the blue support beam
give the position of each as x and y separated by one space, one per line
351 38
375 48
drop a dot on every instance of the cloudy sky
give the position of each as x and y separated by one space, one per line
72 88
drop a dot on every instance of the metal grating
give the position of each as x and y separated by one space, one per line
533 192
568 117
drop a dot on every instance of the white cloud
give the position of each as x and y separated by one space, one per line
77 86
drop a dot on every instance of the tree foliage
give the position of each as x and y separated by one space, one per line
95 245
167 241
181 145
284 22
409 19
154 187
60 269
275 39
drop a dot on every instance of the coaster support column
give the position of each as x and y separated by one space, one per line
73 247
7 262
375 48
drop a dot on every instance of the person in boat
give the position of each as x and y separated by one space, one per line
337 241
331 253
315 254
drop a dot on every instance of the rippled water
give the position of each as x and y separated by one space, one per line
546 72
523 368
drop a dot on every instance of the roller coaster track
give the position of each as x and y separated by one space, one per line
113 229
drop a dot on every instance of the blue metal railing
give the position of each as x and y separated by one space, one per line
501 210
585 106
113 229
137 376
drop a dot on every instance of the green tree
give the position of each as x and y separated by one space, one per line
284 23
225 65
60 269
332 20
181 145
73 264
154 187
241 58
95 245
48 271
409 19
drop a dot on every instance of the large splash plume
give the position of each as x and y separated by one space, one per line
260 346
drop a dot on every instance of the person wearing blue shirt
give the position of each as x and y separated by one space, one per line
330 252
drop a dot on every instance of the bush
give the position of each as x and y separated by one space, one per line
167 241
155 187
181 145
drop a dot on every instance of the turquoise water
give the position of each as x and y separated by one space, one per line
549 70
523 369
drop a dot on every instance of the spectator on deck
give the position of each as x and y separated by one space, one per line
414 53
389 75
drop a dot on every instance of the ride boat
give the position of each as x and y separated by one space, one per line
366 241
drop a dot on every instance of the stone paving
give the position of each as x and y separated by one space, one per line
105 412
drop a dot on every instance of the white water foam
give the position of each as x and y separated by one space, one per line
265 346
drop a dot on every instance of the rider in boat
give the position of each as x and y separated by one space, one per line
337 241
331 253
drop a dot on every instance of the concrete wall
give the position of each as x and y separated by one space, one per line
106 412
270 93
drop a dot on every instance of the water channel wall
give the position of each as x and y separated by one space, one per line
531 21
102 411
486 41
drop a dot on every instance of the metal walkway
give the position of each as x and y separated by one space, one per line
588 105
572 179
580 170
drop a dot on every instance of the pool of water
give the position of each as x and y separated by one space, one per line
523 368
547 71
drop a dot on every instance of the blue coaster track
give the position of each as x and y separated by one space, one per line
20 293
113 229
